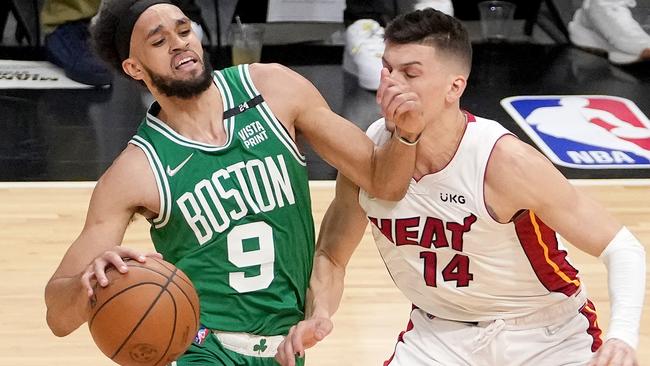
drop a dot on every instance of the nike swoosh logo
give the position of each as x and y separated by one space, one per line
171 172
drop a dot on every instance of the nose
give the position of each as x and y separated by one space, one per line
397 75
177 43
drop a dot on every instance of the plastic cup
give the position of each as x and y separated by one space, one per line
246 40
496 19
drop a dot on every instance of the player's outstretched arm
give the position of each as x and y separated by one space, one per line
117 196
383 172
519 177
341 230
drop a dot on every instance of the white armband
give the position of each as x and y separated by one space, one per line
624 258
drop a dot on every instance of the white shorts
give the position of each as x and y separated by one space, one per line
547 338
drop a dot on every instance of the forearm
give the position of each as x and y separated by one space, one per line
67 305
340 233
325 288
624 258
393 165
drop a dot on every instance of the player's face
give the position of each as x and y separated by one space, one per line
431 76
169 51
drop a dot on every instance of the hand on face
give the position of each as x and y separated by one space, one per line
400 105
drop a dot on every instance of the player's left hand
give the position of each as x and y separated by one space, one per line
614 352
399 104
301 336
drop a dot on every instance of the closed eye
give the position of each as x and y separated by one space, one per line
158 43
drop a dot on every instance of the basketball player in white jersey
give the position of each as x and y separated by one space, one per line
474 244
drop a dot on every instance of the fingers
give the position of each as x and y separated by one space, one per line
403 104
125 252
279 355
285 355
297 340
391 98
99 265
614 353
399 104
323 329
383 84
114 257
604 355
154 255
86 277
301 336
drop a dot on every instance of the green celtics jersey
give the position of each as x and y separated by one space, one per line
235 218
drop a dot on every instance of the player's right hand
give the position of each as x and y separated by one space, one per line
301 336
96 270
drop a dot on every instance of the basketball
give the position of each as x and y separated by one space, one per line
147 316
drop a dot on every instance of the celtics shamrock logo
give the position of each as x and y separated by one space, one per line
259 348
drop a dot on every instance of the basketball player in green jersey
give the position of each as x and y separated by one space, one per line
215 169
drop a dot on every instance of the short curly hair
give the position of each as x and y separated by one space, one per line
103 29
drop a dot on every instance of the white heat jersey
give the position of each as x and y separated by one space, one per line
450 257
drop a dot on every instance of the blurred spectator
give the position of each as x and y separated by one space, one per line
364 36
607 25
65 23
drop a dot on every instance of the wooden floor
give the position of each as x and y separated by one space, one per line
37 225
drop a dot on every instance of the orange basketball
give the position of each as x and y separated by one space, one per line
146 317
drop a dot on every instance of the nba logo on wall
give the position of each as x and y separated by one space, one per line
585 131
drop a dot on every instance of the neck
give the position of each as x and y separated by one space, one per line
199 118
439 142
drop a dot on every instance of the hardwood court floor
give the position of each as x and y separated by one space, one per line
38 224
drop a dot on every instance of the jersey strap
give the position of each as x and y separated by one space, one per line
253 102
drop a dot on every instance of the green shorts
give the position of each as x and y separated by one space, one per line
212 352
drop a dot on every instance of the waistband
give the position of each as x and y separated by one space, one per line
552 314
249 344
555 313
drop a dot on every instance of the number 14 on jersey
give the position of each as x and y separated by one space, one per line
456 270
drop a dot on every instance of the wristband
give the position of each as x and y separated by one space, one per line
624 258
406 141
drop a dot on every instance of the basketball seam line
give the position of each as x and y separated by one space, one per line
153 303
187 297
171 338
162 264
90 322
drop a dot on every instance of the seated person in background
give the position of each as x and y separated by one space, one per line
607 25
604 25
364 36
65 23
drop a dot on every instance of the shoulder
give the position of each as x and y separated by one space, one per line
130 178
513 156
519 176
486 125
275 81
290 96
276 76
514 166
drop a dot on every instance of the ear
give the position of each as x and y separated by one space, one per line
457 87
133 68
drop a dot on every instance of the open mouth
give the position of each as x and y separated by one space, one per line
184 61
